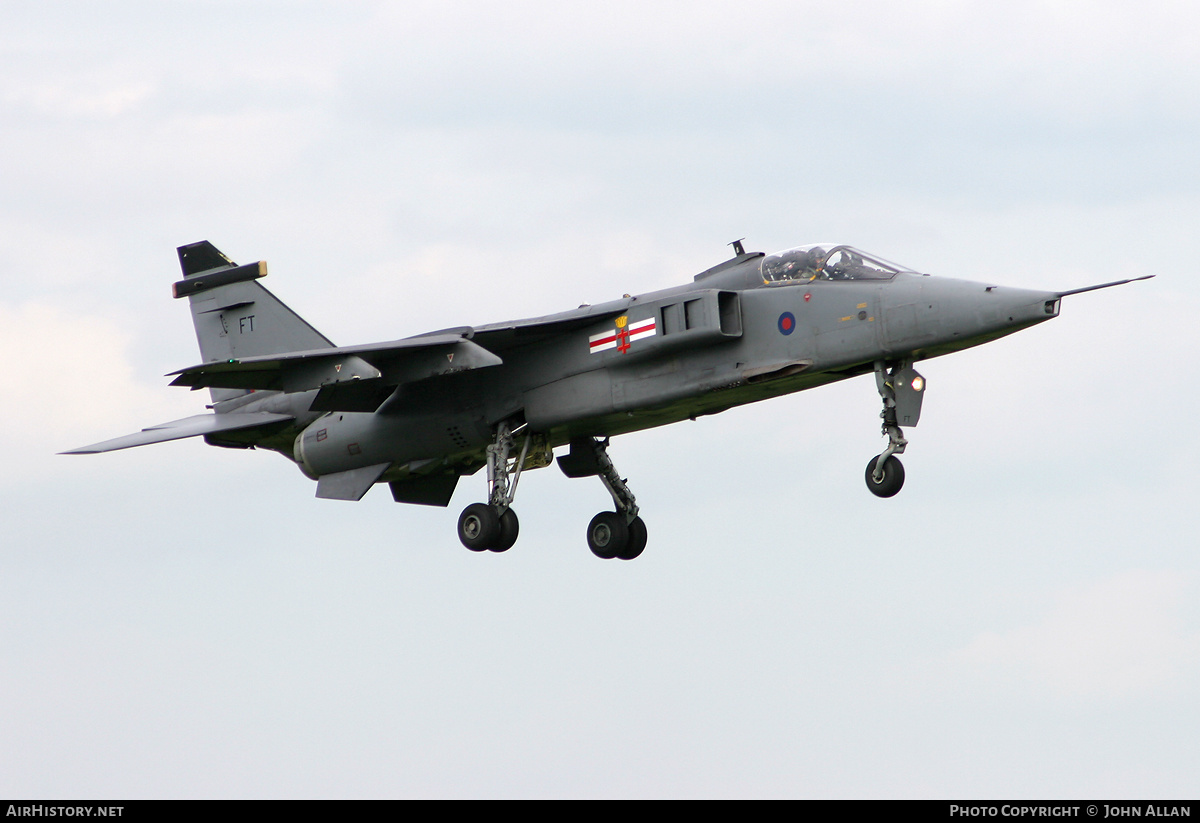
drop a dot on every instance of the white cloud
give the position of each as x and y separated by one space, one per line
67 378
1121 637
81 100
1050 52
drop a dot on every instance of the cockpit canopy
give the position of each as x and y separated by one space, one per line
827 261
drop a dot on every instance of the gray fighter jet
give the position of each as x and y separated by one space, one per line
420 412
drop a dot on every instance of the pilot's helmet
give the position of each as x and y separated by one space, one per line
816 257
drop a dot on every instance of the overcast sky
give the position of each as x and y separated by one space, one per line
1022 620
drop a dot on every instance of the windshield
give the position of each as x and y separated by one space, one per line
826 261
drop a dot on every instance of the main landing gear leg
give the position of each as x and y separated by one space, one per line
620 533
902 390
493 526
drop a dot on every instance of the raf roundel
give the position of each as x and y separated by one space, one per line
787 323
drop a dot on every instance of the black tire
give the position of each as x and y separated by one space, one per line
607 535
478 527
893 477
510 527
637 540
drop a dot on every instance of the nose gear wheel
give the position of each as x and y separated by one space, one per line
891 479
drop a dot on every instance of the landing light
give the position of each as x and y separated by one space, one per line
918 383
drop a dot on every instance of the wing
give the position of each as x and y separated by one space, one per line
187 427
351 378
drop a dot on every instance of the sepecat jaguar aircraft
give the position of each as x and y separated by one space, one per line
420 412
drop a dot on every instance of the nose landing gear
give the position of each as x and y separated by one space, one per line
902 390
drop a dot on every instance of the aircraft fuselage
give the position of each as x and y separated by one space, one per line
725 341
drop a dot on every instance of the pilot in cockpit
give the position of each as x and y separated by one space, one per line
815 263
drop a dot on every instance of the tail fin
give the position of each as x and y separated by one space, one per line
236 317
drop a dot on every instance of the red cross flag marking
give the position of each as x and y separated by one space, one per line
623 335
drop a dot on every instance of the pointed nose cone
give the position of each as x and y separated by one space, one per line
964 313
1017 308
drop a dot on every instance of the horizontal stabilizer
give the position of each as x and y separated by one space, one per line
351 485
187 427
